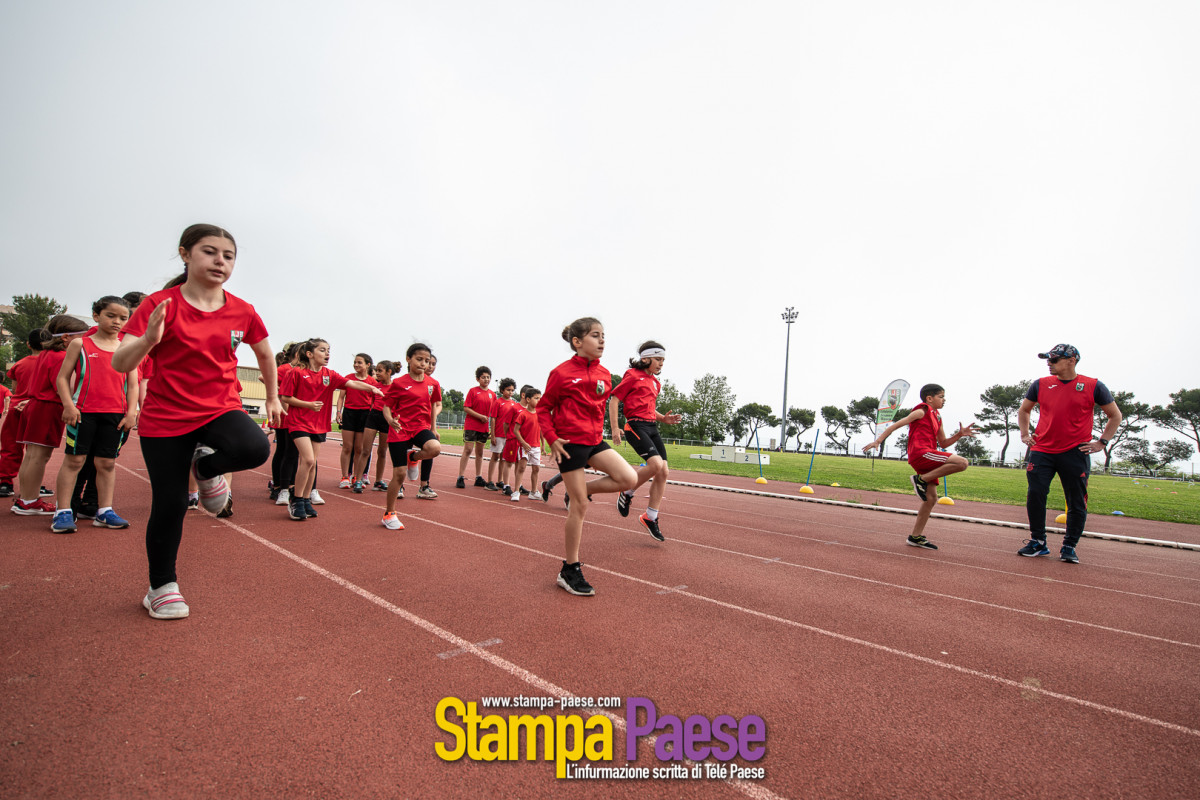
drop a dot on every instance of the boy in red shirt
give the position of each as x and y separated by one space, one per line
408 410
925 438
498 417
525 441
477 405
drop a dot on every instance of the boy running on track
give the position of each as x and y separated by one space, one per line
408 409
925 438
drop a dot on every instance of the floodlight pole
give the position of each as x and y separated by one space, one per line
789 316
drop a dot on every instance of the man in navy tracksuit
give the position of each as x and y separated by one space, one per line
1062 445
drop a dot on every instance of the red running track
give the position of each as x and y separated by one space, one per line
317 652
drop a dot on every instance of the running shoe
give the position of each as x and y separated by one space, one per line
344 483
426 493
165 602
392 522
516 496
64 522
479 481
284 498
274 495
491 487
194 501
357 487
6 489
227 511
85 512
545 493
921 541
316 498
524 490
920 487
37 507
400 493
414 469
308 507
1034 547
109 519
44 492
623 500
297 511
214 492
461 483
536 496
379 486
651 525
571 578
506 491
1067 553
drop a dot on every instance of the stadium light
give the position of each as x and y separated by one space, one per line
789 316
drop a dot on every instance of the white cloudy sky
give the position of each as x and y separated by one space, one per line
942 189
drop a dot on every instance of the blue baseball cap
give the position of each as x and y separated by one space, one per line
1061 351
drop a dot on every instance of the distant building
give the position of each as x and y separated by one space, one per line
254 391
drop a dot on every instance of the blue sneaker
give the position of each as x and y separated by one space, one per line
1067 553
1034 547
109 519
64 521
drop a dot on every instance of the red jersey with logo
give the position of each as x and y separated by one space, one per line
195 375
305 384
20 373
99 389
923 433
1065 411
359 399
572 406
638 390
411 402
526 422
480 401
44 376
505 410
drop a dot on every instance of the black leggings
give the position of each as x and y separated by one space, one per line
239 444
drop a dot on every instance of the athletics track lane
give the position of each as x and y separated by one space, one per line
323 692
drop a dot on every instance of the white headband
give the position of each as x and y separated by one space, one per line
653 352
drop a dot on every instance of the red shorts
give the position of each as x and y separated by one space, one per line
512 450
41 424
927 462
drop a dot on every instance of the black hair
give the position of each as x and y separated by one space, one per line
530 391
190 237
370 361
308 347
386 365
52 336
639 362
480 371
106 301
415 348
133 299
930 389
578 329
507 382
34 340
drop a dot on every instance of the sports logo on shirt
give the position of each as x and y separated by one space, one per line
235 338
599 387
1079 387
324 380
430 390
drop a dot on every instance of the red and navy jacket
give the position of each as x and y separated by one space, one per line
572 407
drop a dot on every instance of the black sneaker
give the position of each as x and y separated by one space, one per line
919 486
491 487
479 481
571 578
461 483
524 490
44 492
227 511
308 507
921 541
6 490
379 486
274 494
1034 547
652 526
506 491
545 491
193 502
1067 553
623 503
296 511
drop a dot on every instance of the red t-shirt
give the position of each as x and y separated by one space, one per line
1065 411
357 398
638 390
303 383
480 401
44 376
411 402
526 422
20 373
506 409
195 375
4 392
99 389
572 406
922 434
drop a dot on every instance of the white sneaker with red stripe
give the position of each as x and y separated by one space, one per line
165 602
214 492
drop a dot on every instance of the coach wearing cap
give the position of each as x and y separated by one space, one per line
1062 445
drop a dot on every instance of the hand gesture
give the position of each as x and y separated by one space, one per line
157 323
967 431
559 450
868 448
672 419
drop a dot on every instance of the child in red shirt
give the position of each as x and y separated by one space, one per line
571 418
12 451
476 406
524 445
498 433
926 437
408 409
352 410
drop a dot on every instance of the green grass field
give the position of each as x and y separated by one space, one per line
1167 501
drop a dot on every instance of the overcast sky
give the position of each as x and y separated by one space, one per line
941 189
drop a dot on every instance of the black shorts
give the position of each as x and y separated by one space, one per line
643 436
399 450
474 436
375 420
355 419
97 435
316 437
578 455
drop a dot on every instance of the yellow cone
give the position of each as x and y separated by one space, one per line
1061 519
835 484
760 479
806 489
945 501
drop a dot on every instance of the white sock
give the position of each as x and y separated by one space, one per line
628 493
103 511
652 513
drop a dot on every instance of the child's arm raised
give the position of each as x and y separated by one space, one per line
895 426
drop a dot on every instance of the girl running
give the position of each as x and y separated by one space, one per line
42 413
192 418
408 409
638 390
307 391
99 412
571 418
374 427
353 407
476 406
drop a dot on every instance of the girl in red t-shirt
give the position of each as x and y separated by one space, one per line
638 390
11 450
408 409
375 426
571 418
42 413
307 390
352 410
99 411
192 418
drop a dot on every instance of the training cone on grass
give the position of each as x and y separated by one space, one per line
806 489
